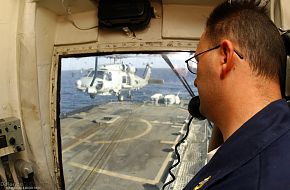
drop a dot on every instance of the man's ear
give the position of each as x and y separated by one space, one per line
227 57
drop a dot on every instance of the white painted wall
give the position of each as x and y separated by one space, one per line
68 34
45 30
9 101
184 21
36 38
9 87
26 47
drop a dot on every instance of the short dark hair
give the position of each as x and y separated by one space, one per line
250 27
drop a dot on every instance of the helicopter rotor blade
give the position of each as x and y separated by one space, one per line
181 78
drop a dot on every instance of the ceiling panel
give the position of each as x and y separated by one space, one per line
76 6
194 2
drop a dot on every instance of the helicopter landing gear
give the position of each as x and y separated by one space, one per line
120 97
129 95
92 96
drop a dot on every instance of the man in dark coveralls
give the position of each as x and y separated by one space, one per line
240 58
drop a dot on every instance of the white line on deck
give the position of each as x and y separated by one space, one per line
149 127
114 174
78 142
168 142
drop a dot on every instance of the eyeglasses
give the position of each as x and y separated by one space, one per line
192 62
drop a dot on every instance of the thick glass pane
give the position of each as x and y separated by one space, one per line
118 131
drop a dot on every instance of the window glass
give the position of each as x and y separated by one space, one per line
116 135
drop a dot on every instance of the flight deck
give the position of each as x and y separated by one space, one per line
129 146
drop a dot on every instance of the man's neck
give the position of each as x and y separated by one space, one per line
242 105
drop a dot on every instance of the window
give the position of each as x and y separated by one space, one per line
124 79
117 137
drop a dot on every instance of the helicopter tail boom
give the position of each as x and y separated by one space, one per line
147 72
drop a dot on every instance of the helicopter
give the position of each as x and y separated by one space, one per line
113 79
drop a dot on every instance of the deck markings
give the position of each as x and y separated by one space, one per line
124 176
163 167
148 129
166 161
114 174
128 177
78 142
78 121
156 180
162 122
86 140
168 142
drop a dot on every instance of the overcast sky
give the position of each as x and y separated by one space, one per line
137 60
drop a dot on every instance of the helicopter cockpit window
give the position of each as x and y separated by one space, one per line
90 73
108 76
100 74
117 136
124 79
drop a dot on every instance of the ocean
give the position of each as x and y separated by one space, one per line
72 100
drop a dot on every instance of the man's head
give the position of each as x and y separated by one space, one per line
240 28
255 34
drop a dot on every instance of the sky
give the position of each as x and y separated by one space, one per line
137 60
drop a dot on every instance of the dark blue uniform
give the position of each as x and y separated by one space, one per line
255 157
